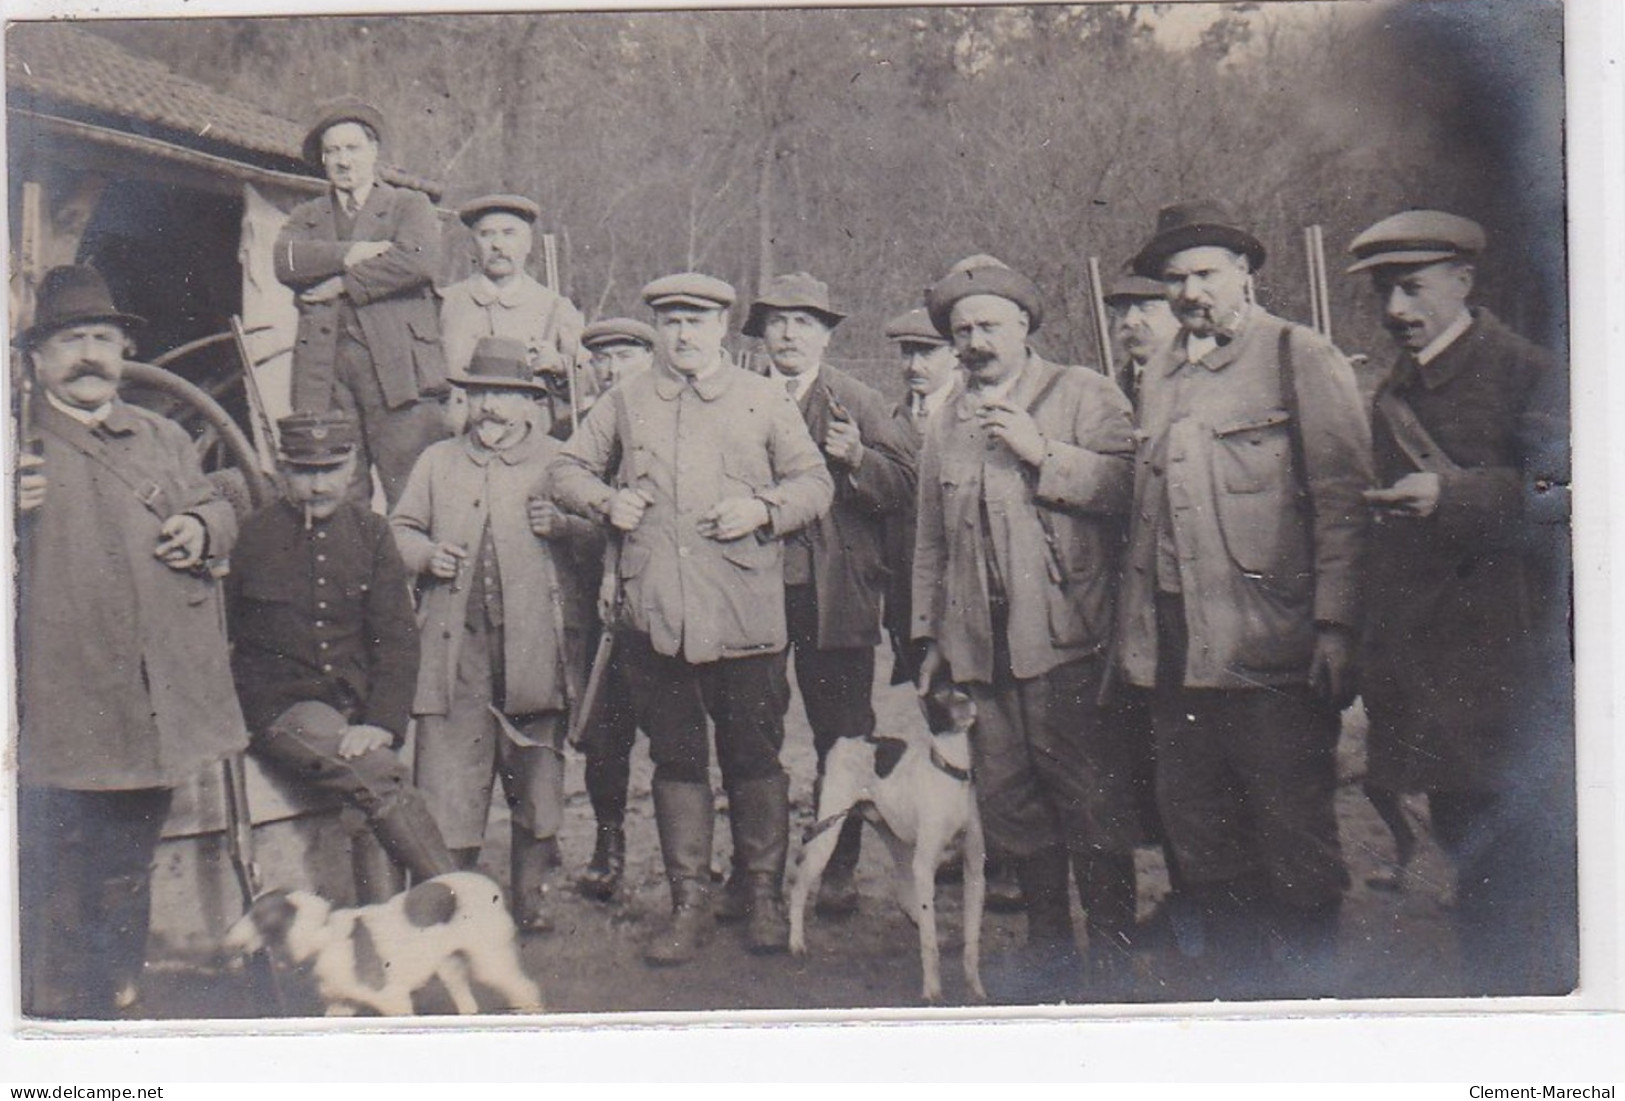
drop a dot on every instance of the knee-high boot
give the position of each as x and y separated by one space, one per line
761 809
409 834
684 817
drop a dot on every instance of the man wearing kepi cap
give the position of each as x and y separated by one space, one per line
1471 445
503 299
701 469
504 604
124 693
1240 600
325 648
834 569
361 261
1023 484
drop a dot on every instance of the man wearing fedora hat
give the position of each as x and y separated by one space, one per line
1471 443
361 260
1023 483
124 692
835 568
701 469
325 647
503 299
1240 600
505 607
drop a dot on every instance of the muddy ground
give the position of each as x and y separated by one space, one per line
1392 943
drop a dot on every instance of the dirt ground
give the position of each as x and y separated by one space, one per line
1393 944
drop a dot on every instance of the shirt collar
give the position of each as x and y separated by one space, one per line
519 453
937 398
1216 350
87 417
360 195
803 382
486 293
709 384
1449 336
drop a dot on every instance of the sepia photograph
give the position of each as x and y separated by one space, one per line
832 513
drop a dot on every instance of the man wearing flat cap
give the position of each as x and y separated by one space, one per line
619 349
1023 484
1471 444
503 299
930 370
835 568
124 693
361 261
1240 598
505 590
701 469
325 647
1144 324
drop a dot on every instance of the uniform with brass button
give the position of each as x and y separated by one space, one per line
325 647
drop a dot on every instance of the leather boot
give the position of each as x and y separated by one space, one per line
126 910
603 875
1048 966
762 813
466 859
1305 949
408 832
1003 888
377 877
530 868
684 817
1105 882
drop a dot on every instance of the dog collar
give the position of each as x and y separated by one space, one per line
963 775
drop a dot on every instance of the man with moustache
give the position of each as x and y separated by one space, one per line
1240 600
1471 445
701 469
361 262
325 646
503 299
835 568
124 692
1023 483
505 606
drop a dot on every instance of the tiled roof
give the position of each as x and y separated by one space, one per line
56 68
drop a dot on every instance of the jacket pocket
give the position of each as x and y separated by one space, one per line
428 361
1252 454
634 560
750 553
1265 530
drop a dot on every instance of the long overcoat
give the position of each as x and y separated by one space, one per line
124 675
1452 658
848 542
458 488
390 297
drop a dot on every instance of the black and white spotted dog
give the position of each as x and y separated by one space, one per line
453 927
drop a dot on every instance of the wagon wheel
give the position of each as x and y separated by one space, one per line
225 452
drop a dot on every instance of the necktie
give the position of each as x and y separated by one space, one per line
790 388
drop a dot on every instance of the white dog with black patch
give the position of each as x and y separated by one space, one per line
453 927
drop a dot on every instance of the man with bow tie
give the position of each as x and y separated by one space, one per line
361 261
1240 599
1024 481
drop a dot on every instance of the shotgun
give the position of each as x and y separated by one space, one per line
1097 308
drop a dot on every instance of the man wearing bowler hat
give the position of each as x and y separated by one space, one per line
1023 483
124 692
361 261
835 568
620 348
1467 583
503 299
1240 599
701 469
505 608
325 647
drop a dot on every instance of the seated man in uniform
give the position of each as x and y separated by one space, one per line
325 647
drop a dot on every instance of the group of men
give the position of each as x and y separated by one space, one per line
1157 584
